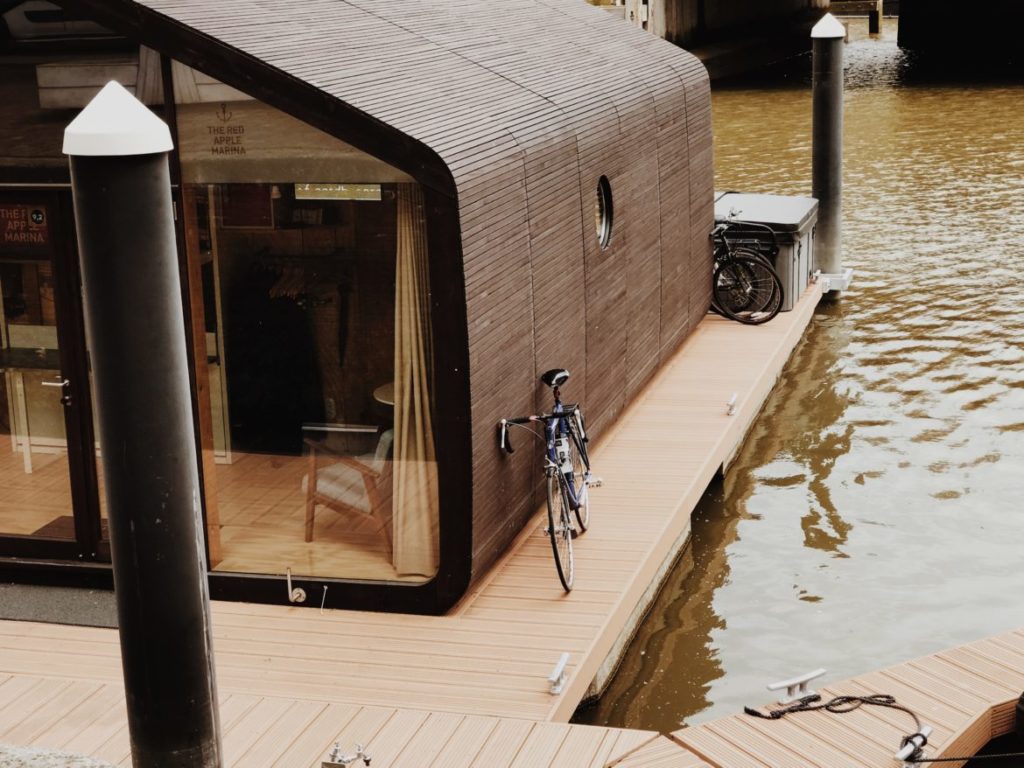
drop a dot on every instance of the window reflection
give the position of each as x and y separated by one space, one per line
318 364
36 496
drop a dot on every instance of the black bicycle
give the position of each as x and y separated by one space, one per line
746 287
567 468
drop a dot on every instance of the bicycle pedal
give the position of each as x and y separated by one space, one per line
573 533
595 482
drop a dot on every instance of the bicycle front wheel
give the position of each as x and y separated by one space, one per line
580 478
560 529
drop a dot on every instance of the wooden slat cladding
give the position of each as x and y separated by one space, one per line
525 104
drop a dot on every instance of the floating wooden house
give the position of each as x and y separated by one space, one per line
393 215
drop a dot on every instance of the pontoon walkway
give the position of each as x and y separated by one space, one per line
489 658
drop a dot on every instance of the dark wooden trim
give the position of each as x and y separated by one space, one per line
199 374
81 438
34 176
112 44
452 418
54 573
195 330
38 548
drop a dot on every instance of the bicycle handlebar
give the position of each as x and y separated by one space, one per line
721 228
505 441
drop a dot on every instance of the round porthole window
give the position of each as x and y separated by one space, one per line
604 212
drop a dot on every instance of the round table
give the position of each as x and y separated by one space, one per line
385 393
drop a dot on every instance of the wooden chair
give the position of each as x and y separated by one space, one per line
357 485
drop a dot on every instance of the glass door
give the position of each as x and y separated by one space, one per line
48 483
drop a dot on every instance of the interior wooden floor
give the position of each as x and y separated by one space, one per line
30 501
262 507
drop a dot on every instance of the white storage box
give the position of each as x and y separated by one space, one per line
792 219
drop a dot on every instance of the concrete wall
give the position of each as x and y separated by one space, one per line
689 22
987 30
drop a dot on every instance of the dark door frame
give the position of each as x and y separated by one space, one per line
87 544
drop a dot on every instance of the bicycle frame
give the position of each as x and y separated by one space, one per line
566 472
557 436
722 240
557 433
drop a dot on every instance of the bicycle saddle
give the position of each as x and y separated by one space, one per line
556 377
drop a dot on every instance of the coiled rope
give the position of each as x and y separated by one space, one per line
840 705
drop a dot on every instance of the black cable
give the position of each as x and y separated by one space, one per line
838 705
972 758
842 704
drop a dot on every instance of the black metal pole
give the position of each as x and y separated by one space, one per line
135 328
827 136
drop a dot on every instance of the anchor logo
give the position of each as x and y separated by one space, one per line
224 115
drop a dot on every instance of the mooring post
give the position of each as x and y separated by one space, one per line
875 19
136 335
827 153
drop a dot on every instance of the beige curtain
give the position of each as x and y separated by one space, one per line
415 467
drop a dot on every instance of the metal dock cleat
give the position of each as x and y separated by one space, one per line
557 678
911 752
338 760
796 687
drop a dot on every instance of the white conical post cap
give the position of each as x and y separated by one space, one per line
828 27
115 123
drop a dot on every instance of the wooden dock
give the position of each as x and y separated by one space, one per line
81 717
968 695
486 663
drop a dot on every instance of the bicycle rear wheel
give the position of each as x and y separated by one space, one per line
580 477
747 289
560 529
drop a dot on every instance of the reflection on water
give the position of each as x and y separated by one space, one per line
872 515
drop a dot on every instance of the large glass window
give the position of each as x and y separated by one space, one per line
49 476
36 497
35 482
309 266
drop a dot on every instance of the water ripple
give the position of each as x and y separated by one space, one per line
871 517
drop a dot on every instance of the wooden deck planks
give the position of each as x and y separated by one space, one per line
71 723
42 718
659 753
966 694
273 732
276 738
294 680
504 743
618 745
466 742
492 654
